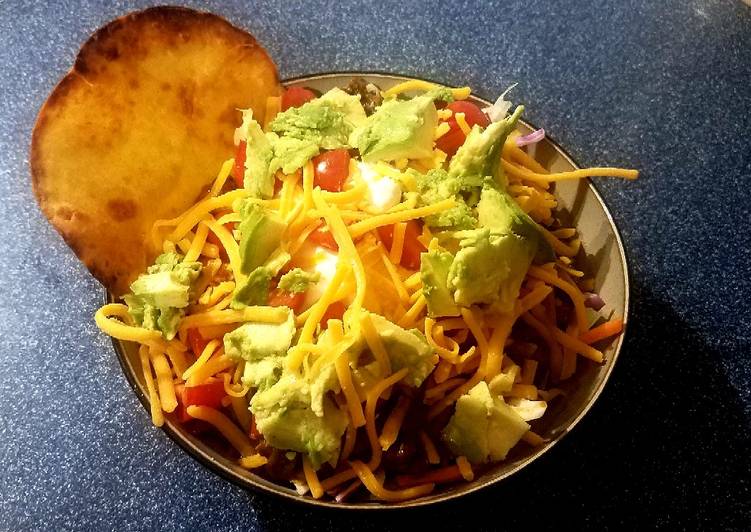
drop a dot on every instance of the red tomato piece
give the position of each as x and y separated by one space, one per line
211 238
196 342
295 97
209 394
472 114
331 169
412 246
450 141
323 237
386 234
283 298
253 431
238 171
181 411
334 312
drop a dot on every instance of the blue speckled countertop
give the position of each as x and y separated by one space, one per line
663 86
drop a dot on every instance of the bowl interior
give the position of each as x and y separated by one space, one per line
602 258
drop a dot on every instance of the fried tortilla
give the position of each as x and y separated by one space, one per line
139 128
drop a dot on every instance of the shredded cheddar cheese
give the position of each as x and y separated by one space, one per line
419 85
365 226
461 121
225 426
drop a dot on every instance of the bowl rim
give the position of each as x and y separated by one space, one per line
261 485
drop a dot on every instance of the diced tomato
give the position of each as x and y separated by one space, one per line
283 298
386 234
331 169
209 394
181 411
196 342
323 237
450 141
472 114
295 97
238 171
253 431
334 312
211 238
412 246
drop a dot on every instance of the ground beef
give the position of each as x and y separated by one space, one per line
370 94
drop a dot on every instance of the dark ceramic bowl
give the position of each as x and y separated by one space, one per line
581 206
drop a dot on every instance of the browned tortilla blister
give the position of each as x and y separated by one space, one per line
139 127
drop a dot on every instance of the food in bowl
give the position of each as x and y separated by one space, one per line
353 308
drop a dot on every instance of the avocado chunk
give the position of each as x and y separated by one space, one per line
158 296
489 268
260 234
483 427
298 280
259 175
255 289
263 346
441 94
498 211
437 185
476 161
284 415
297 136
406 349
291 153
167 282
505 429
492 260
300 133
398 129
326 381
480 155
325 122
434 271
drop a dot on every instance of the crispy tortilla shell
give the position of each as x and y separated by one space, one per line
139 128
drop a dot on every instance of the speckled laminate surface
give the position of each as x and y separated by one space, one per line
663 86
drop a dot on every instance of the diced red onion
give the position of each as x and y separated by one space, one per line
593 301
535 136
